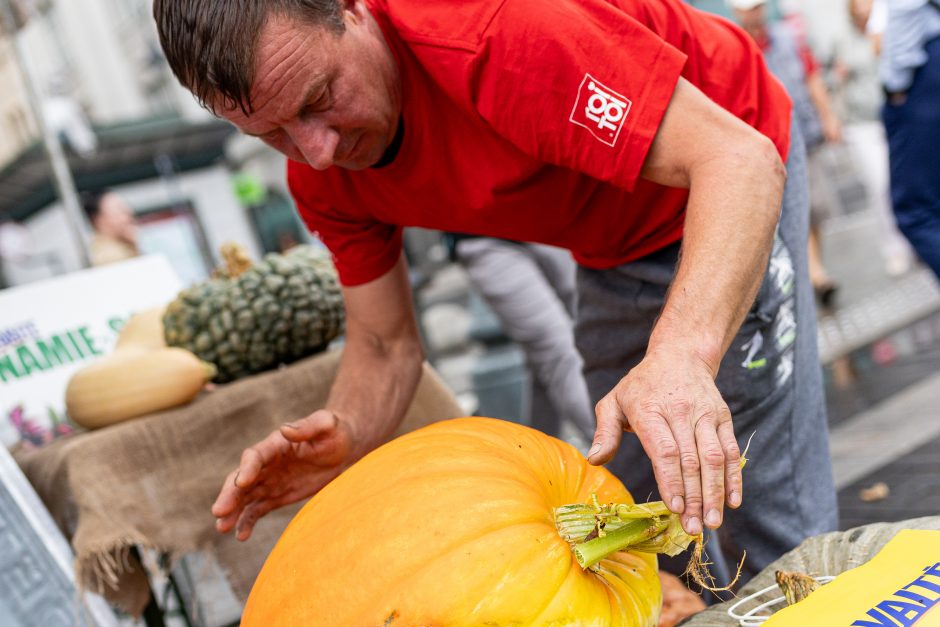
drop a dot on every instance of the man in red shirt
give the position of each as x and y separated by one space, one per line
619 129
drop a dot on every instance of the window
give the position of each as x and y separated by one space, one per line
175 232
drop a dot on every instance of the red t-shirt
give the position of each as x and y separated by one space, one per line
530 120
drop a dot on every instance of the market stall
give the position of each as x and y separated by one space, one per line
150 482
127 399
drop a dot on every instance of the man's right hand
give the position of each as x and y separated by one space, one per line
292 463
376 381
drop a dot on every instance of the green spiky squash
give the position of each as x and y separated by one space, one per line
254 317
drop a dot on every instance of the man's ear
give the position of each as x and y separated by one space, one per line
354 10
350 6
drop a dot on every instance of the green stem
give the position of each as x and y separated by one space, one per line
209 370
634 532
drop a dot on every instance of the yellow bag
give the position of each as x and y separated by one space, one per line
899 587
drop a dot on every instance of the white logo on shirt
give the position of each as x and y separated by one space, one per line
600 110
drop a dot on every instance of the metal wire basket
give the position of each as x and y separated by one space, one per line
752 610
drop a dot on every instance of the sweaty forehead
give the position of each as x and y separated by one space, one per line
282 57
291 59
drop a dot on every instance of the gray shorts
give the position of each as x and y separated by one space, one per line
770 377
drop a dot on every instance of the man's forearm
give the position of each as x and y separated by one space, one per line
375 385
734 205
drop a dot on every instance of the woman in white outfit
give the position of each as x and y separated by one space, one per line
863 133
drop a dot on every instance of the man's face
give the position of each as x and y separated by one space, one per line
321 98
754 21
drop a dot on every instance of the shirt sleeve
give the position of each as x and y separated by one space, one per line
878 18
580 84
810 64
363 249
903 44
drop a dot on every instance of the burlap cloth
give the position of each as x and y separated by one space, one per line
150 482
826 554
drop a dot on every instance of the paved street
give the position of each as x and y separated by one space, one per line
913 484
883 398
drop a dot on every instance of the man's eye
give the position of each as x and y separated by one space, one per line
321 104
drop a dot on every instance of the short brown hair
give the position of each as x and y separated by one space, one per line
210 44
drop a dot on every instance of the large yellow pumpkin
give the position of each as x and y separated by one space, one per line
452 525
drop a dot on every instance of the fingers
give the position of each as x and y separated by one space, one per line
690 466
257 457
227 500
686 430
249 516
228 504
319 423
695 459
734 482
610 426
227 523
322 432
669 455
712 461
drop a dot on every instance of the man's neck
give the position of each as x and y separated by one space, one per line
393 148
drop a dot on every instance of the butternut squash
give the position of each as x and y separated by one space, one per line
143 330
132 382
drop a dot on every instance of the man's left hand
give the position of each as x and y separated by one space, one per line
672 404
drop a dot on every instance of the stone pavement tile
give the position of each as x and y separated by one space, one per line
887 432
901 305
850 251
873 383
914 483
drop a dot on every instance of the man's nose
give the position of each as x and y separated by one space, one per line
316 142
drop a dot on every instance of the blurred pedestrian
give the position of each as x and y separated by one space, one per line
861 99
790 60
910 73
531 289
115 237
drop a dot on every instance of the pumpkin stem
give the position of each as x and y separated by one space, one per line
651 528
236 260
634 532
209 369
594 531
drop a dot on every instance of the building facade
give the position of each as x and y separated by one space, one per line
99 70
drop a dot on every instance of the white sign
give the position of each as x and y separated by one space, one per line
50 329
